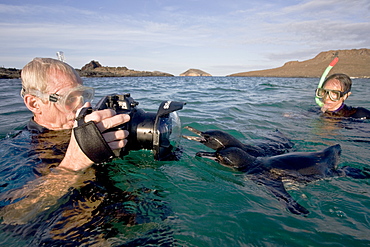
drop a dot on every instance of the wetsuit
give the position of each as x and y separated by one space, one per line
349 111
35 127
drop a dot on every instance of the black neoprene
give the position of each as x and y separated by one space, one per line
90 140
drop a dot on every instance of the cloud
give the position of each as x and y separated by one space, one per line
257 34
43 13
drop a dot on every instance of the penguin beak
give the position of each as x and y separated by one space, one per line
208 155
194 138
198 138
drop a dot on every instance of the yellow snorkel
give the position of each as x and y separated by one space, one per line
322 79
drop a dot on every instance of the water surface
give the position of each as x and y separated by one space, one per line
197 202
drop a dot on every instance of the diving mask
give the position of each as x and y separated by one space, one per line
334 95
72 99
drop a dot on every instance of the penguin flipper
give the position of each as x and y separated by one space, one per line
278 189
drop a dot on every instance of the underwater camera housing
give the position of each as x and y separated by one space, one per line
147 130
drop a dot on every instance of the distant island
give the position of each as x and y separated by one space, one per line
355 63
195 72
95 69
92 69
10 73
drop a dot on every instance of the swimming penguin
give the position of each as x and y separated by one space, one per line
277 143
302 167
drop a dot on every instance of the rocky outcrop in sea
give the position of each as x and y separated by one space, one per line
10 73
92 69
95 69
195 72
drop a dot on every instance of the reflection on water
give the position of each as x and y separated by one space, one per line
192 202
62 208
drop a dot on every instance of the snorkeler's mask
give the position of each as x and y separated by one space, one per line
71 100
334 95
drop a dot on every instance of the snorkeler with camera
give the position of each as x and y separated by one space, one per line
53 91
66 137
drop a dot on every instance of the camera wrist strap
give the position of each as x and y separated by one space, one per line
90 139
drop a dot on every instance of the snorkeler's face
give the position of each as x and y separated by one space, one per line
329 103
55 116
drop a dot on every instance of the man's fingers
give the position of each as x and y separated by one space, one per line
98 116
116 139
115 135
117 144
106 119
113 122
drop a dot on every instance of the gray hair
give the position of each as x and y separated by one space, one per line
35 74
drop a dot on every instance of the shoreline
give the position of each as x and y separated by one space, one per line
355 63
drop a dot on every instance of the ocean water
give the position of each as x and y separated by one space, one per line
196 201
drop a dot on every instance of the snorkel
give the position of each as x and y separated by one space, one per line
323 76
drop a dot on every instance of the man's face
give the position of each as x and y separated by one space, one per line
53 115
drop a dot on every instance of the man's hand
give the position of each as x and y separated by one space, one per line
106 119
75 159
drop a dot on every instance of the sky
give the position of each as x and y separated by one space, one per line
220 37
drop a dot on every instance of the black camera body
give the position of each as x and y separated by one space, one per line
147 130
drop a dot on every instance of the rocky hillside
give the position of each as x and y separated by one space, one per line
95 69
92 69
355 63
195 72
9 73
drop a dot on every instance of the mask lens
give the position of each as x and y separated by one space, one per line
73 102
334 95
320 92
77 97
